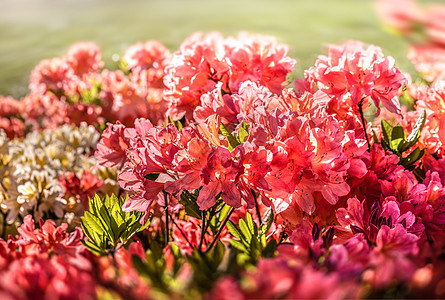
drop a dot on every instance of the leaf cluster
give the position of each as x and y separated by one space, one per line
107 227
395 140
154 266
251 241
88 97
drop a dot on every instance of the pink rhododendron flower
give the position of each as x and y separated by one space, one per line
202 62
220 174
352 73
84 58
113 143
147 61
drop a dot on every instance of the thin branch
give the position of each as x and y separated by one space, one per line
203 228
182 232
360 109
220 229
257 207
167 231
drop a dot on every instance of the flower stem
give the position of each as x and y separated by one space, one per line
182 232
220 229
257 207
167 231
360 109
203 228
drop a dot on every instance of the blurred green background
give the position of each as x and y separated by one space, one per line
31 30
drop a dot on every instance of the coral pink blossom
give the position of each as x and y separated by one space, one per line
203 62
355 73
84 58
147 61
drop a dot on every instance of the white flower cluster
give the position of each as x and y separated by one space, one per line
30 169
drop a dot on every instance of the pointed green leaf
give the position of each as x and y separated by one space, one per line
191 208
251 224
233 230
245 230
397 137
243 132
386 131
230 138
238 245
374 137
88 231
94 223
413 157
224 211
255 250
93 248
217 253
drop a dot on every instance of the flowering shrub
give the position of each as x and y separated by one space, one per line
233 181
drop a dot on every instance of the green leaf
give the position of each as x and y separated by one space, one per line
386 131
245 230
397 137
191 208
178 259
255 250
233 230
89 232
105 225
238 245
224 211
252 226
217 253
94 223
270 249
413 157
243 132
230 138
374 137
178 124
92 247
